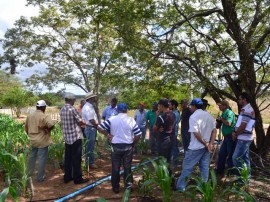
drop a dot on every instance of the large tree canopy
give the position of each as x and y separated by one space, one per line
222 46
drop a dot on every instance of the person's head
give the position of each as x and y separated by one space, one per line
41 105
141 106
173 104
70 98
82 103
195 104
223 105
154 106
163 104
205 104
113 102
243 99
90 97
122 108
184 103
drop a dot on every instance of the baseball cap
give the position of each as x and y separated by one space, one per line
224 102
196 101
41 103
122 107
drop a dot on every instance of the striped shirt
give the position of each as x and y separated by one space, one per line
247 115
71 120
122 127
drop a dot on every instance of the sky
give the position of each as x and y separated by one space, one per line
12 10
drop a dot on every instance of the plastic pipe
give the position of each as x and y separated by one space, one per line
98 182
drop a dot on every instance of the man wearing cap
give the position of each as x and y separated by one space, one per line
140 118
165 125
150 120
91 122
110 110
203 133
228 121
71 122
186 113
123 132
38 126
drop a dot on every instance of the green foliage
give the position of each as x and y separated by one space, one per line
16 98
142 146
51 98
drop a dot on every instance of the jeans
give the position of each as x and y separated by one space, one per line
90 133
73 160
175 152
241 156
165 148
42 154
192 157
225 154
121 152
153 140
143 130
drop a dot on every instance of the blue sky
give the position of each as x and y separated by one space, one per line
10 11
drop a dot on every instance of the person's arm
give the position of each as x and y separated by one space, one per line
212 139
26 126
239 130
137 133
93 122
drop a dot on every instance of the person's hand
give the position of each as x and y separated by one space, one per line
234 136
210 147
110 137
161 129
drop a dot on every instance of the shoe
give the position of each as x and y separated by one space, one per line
81 181
67 181
93 166
116 190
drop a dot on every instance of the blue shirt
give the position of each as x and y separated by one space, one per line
140 118
177 120
109 112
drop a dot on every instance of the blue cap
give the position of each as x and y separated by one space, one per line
122 107
196 101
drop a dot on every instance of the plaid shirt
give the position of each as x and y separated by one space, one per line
70 120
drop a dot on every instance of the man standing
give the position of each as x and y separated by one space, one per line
227 120
123 133
203 133
151 119
243 134
186 113
71 126
110 110
173 104
91 121
140 118
38 126
165 125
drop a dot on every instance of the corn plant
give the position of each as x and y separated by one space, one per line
126 195
8 190
161 177
142 146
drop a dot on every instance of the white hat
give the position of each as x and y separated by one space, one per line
70 96
89 95
41 103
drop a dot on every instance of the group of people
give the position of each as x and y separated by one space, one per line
198 133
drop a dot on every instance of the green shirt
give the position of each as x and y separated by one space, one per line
151 117
228 115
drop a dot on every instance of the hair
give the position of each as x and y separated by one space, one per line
200 107
114 99
40 108
164 102
246 96
174 102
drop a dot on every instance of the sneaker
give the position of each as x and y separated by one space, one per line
81 181
116 190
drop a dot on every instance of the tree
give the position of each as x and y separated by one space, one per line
16 98
224 43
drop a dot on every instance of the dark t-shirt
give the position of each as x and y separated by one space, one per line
186 113
167 121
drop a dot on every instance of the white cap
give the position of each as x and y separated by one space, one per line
41 103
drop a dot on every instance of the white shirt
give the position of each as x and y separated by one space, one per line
203 123
122 127
89 113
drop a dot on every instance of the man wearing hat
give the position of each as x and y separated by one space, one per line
150 120
123 133
71 122
140 118
186 113
203 132
91 122
228 121
38 126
